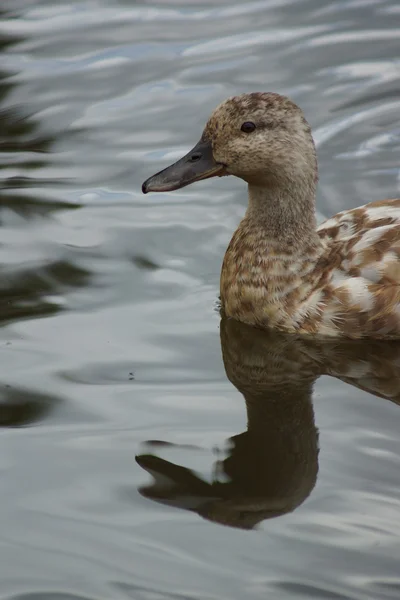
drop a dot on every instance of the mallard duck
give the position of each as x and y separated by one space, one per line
280 270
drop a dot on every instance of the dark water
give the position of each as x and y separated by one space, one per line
111 341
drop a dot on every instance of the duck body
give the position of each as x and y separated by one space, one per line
280 270
347 284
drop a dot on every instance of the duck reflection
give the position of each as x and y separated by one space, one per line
272 467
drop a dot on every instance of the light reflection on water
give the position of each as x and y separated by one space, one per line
110 332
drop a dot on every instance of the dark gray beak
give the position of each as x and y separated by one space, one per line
198 164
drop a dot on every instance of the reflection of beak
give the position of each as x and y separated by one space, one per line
198 164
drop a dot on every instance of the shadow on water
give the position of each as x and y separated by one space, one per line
27 293
22 145
20 408
272 467
27 286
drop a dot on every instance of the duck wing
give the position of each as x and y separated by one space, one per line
362 295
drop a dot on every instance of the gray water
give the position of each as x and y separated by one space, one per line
129 466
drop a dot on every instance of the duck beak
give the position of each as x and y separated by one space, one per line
198 164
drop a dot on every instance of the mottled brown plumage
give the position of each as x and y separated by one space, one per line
280 271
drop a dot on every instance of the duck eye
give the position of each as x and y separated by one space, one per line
248 127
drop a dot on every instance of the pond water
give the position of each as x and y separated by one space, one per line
148 451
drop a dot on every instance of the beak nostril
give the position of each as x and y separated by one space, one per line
195 156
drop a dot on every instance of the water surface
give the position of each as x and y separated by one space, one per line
111 340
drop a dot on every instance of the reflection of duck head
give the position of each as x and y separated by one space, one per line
272 467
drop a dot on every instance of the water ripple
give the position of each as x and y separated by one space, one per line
109 330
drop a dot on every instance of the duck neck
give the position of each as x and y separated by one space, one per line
284 214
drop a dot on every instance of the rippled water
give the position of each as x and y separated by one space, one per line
111 342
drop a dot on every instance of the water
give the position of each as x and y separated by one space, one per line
110 345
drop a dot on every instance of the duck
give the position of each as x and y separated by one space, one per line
281 271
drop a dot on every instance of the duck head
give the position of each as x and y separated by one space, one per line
262 138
